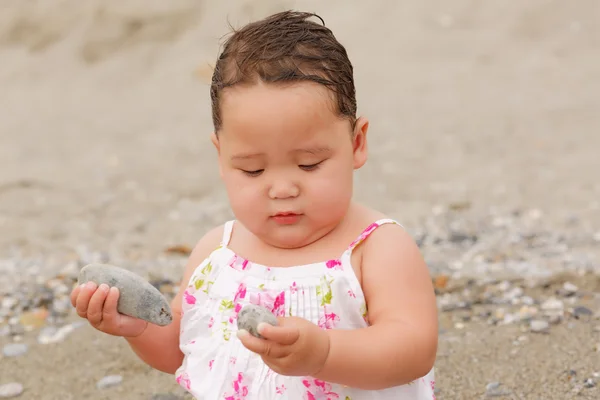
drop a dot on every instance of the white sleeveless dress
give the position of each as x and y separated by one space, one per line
217 366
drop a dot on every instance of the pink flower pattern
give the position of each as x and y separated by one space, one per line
334 264
328 321
184 381
333 295
273 300
238 263
319 390
240 389
364 235
189 298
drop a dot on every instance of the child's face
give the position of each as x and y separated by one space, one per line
282 150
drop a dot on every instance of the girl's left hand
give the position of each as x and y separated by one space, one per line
296 347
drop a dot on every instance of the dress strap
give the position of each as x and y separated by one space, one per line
227 230
365 234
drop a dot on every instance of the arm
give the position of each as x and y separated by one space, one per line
158 346
400 344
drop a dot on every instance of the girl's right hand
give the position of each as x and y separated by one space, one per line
99 306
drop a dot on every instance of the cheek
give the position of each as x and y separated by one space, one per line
333 189
243 193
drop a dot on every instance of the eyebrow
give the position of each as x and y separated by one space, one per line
314 150
245 156
311 150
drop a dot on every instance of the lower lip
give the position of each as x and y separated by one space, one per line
286 219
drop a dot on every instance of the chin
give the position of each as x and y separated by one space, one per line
287 242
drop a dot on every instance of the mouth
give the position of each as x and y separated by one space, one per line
286 218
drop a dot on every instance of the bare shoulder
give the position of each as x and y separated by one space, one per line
206 245
395 277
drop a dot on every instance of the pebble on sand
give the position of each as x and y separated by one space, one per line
539 326
589 383
14 349
494 389
109 381
9 390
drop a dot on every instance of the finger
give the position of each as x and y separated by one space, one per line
74 294
94 312
83 299
261 347
110 304
285 335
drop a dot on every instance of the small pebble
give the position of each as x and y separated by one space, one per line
109 381
9 390
552 304
581 311
494 389
589 383
17 329
52 334
4 330
539 326
14 349
569 289
555 319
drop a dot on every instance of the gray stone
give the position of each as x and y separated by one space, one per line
109 381
17 329
250 316
569 288
4 330
14 349
137 298
582 311
53 334
539 326
9 390
493 389
552 304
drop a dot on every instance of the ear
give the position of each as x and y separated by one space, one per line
359 142
215 141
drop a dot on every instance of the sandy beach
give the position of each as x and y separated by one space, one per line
484 123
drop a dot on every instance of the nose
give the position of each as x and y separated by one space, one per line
283 189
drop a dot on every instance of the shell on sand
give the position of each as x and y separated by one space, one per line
137 297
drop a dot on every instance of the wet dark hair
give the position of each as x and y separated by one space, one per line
286 47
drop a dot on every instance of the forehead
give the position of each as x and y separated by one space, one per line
269 113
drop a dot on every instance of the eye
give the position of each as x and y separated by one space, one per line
253 173
310 167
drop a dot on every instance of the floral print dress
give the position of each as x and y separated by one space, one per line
217 366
